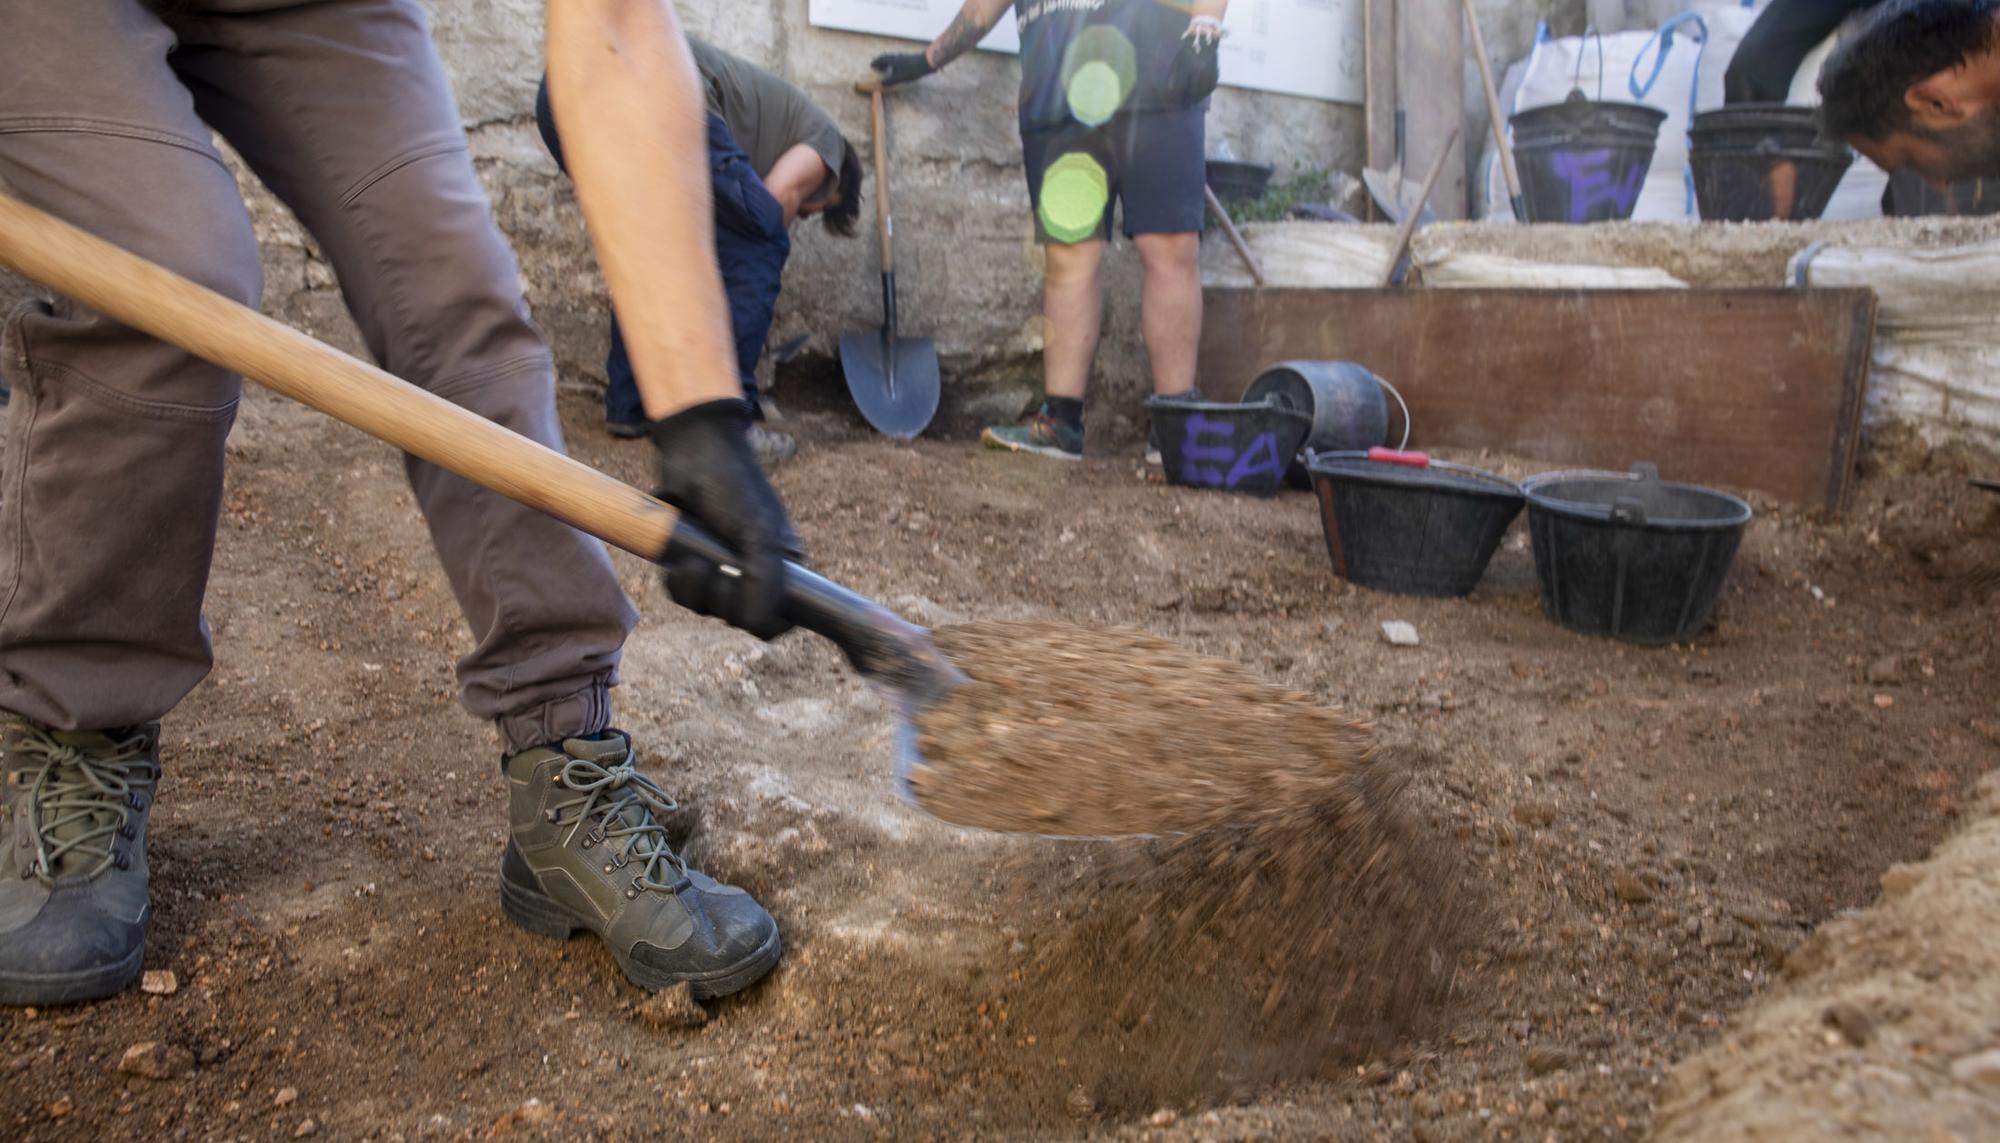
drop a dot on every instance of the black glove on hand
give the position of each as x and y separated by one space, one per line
898 68
707 471
1196 72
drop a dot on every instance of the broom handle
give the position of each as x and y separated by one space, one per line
1508 170
214 328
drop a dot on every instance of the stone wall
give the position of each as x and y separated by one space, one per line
968 268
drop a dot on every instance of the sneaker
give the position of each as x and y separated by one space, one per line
626 430
770 447
588 852
1040 434
73 876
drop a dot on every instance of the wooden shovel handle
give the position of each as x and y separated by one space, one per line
210 326
884 224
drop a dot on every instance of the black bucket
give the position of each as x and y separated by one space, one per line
1632 557
1584 161
1912 197
1764 162
1346 402
1229 447
1235 182
1404 523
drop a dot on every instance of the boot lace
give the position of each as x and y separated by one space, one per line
81 802
618 804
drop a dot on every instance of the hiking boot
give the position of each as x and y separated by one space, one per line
770 447
588 852
73 903
1040 434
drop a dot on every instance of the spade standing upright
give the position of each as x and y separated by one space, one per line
894 379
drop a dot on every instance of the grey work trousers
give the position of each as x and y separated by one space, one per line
111 481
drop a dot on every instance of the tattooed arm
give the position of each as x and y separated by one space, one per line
965 30
961 36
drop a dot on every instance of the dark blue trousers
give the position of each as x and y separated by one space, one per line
751 245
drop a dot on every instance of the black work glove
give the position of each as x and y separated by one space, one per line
898 68
1195 72
707 471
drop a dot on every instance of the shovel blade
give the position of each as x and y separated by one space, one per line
894 383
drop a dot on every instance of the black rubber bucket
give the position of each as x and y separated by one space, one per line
1404 523
1632 557
1764 162
1911 197
1228 447
1235 182
1349 407
1584 161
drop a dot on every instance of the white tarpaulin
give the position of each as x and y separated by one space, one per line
1937 334
1311 48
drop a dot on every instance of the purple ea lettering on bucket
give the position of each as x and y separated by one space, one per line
1210 459
1591 186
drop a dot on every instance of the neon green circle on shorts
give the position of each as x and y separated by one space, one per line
1075 194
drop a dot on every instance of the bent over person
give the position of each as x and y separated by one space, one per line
114 442
1114 107
774 157
1916 86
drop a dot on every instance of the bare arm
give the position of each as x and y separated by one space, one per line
797 176
966 30
635 140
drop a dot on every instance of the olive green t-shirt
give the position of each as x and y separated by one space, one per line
767 115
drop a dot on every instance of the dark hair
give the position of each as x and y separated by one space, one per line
1863 87
840 217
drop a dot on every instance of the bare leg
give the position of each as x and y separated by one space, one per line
1172 308
1073 310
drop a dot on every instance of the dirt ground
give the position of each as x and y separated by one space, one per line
1646 834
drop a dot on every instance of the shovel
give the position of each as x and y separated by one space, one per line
881 645
894 379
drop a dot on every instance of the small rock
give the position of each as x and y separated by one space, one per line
1167 601
1332 627
1884 702
306 1127
1079 1105
1543 1059
61 1108
160 982
150 1059
1538 814
1854 1025
533 1113
1400 634
1886 672
286 1097
1630 889
1899 880
1165 1117
675 1007
1982 1069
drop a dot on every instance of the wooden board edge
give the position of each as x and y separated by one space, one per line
1853 401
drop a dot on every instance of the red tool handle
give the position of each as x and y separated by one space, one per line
1394 456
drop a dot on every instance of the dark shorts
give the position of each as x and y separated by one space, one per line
1152 164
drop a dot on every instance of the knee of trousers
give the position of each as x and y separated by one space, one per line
429 276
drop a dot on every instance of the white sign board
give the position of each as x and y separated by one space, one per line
1311 48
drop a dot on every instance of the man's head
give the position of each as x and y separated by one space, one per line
1916 84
